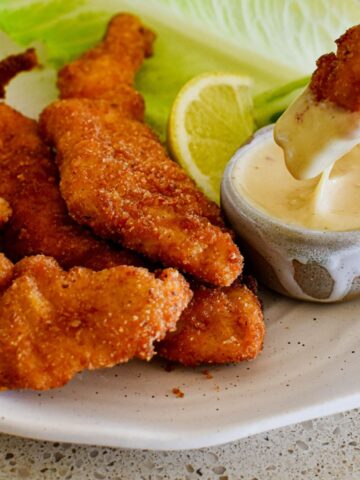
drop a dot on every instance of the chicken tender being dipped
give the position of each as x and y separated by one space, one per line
55 323
337 77
323 124
115 175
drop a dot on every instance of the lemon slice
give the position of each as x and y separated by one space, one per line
211 117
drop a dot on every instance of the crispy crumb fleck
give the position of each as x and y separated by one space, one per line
177 392
207 374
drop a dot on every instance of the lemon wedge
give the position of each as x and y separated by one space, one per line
211 117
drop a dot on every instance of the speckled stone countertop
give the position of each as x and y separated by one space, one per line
327 448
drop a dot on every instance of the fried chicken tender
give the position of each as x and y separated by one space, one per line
115 174
337 77
56 323
220 325
40 222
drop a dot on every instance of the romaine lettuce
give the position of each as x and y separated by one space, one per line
274 41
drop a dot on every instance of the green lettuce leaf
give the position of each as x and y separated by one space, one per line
274 41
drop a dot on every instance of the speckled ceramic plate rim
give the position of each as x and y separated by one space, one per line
139 439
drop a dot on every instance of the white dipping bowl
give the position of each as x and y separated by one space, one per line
313 265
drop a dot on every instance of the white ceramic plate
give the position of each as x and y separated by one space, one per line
309 367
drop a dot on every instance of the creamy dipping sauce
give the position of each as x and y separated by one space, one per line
315 134
330 204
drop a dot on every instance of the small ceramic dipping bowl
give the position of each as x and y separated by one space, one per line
319 266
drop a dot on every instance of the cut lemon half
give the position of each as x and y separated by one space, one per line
211 117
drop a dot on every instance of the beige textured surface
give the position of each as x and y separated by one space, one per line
327 448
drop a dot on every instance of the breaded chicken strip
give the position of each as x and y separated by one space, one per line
115 174
40 222
220 325
55 323
337 77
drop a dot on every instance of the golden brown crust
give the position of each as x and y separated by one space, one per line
115 174
337 77
15 64
219 326
55 323
137 196
40 222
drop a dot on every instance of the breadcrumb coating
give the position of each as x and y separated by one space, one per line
56 323
40 222
220 325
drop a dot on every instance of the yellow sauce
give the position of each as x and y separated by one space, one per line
332 204
315 134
